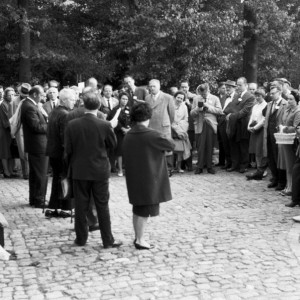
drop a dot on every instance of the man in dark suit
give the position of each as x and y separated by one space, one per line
137 94
273 118
238 118
87 140
35 141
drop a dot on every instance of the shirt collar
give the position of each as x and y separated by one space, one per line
243 93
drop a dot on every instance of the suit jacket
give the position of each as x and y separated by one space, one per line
87 141
163 113
79 112
47 106
145 164
240 111
279 114
208 114
104 108
34 128
140 93
56 131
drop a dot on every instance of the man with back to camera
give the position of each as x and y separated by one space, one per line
87 141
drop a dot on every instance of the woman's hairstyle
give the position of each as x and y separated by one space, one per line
9 89
123 94
141 112
91 101
260 92
180 93
296 96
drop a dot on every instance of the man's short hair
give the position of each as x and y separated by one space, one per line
244 79
278 87
52 89
141 112
91 101
37 89
54 83
184 81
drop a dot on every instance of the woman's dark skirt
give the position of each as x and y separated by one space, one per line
146 210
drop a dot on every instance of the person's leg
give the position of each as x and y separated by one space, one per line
201 149
101 197
179 160
5 167
288 181
244 153
120 164
296 183
134 222
55 197
92 213
82 191
209 146
234 153
141 223
272 161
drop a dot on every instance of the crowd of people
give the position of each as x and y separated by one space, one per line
87 134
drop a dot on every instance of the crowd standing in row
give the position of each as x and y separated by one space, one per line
39 125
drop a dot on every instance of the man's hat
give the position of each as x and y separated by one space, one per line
230 83
24 89
283 80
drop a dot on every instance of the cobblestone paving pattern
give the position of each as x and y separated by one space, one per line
221 237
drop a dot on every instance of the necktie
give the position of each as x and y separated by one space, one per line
108 103
273 107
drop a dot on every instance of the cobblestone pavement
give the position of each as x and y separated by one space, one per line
222 237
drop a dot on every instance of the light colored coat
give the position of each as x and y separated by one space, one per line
279 115
214 108
163 113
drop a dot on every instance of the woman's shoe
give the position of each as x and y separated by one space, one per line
140 247
64 214
6 176
180 171
285 193
51 214
120 174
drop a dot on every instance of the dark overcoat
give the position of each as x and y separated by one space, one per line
146 167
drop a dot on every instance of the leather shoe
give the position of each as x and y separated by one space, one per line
116 244
291 204
198 171
40 205
76 243
255 176
211 171
94 228
279 188
242 170
140 247
231 169
272 185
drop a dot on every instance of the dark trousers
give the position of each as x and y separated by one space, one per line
56 190
205 146
221 148
225 143
296 182
83 189
38 167
239 153
278 176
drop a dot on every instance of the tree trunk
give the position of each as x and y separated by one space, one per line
250 63
24 43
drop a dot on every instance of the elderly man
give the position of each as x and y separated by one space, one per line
273 116
205 109
86 142
138 94
52 95
238 114
163 113
35 142
55 148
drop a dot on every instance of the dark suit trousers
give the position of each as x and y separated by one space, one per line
205 146
239 153
83 189
225 143
279 176
221 148
296 182
56 190
38 167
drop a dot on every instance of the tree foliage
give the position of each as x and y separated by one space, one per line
166 39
